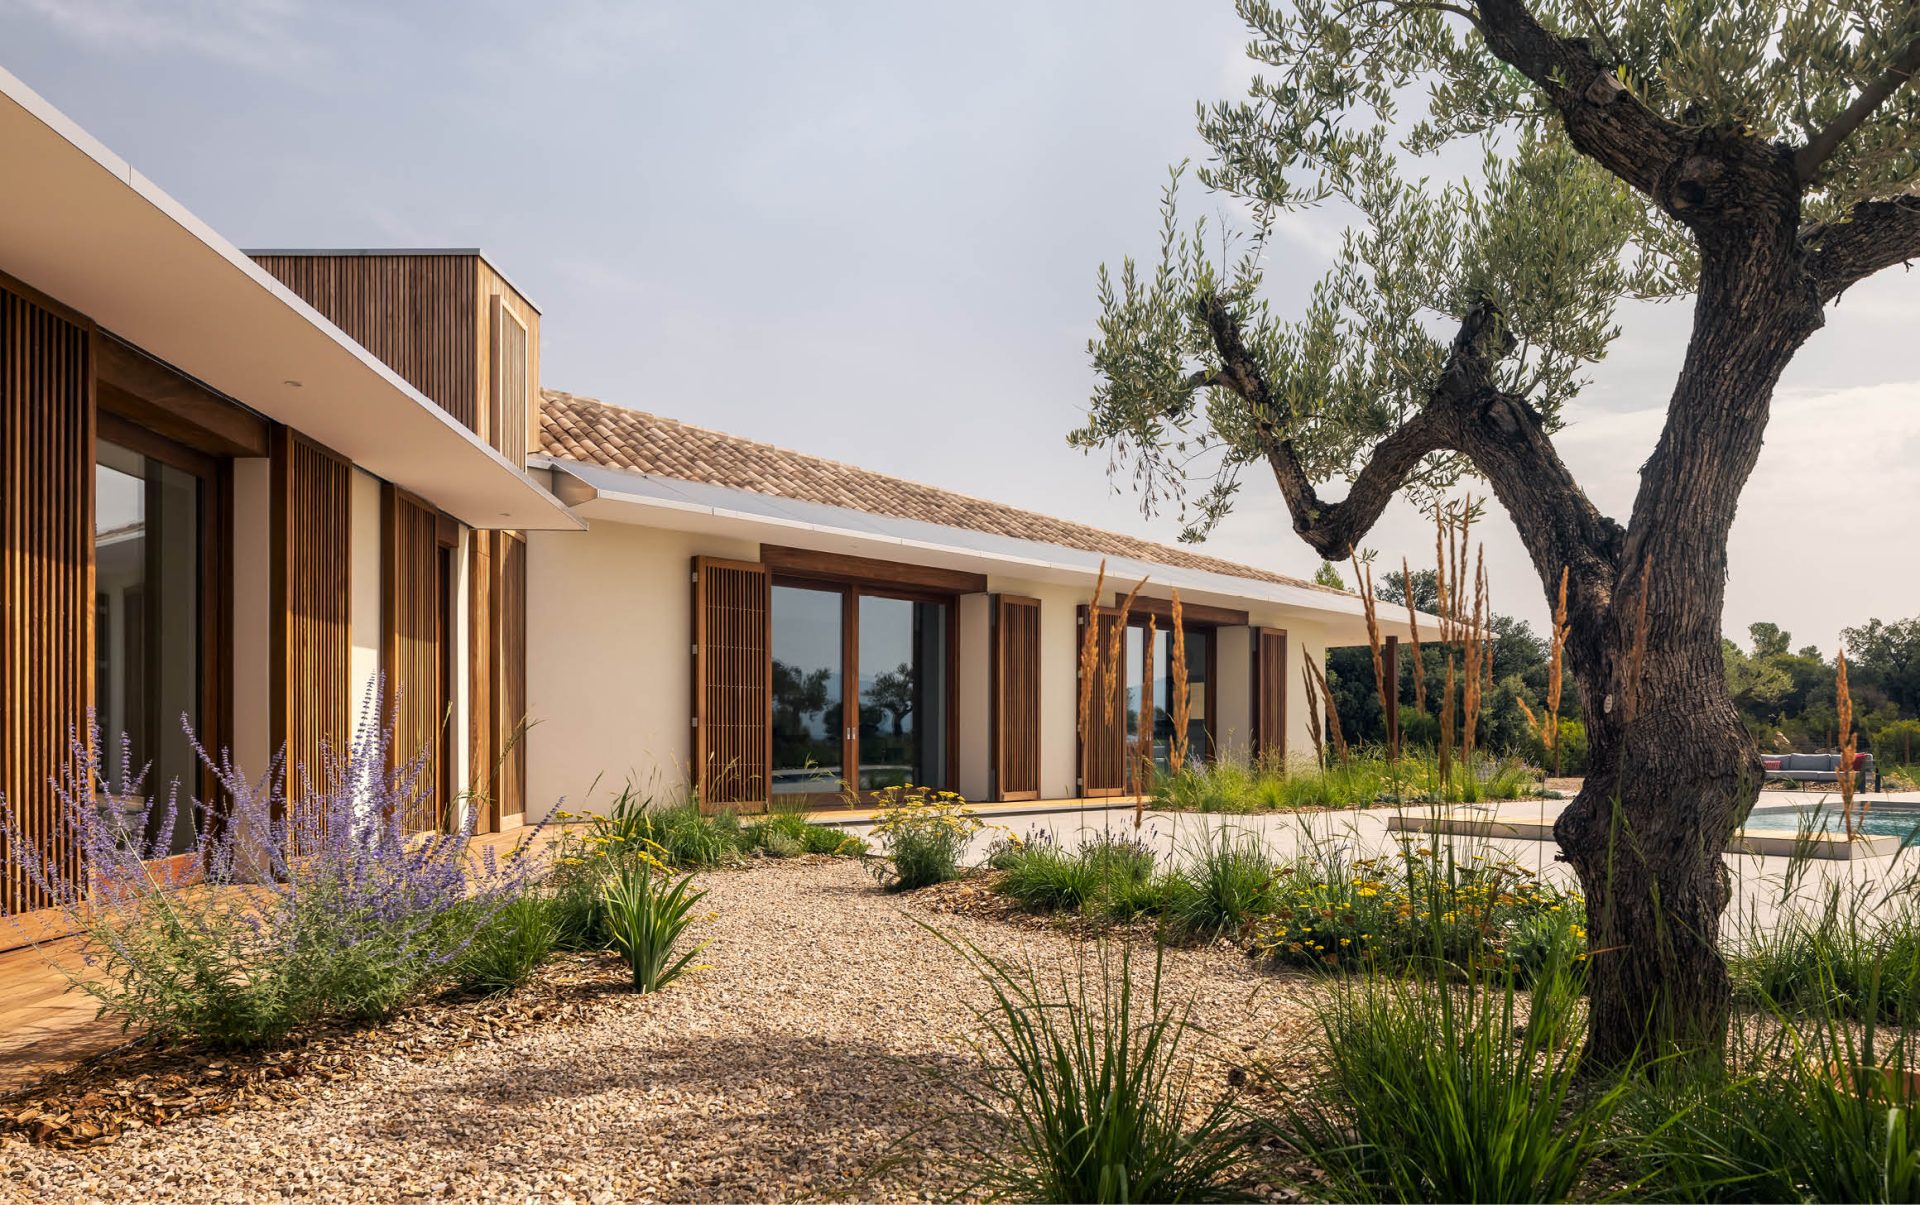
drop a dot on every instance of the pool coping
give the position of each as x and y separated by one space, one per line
1829 848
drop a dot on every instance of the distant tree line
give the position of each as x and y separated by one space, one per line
1785 696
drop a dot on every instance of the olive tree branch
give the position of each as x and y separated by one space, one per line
1821 147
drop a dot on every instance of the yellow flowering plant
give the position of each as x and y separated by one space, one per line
1420 904
923 834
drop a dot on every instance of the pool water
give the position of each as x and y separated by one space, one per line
1879 821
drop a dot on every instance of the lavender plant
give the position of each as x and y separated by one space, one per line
289 909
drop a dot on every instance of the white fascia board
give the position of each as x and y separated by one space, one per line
80 225
618 495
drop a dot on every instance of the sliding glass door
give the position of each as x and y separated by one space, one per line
809 664
861 688
1150 695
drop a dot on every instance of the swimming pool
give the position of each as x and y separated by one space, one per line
1881 820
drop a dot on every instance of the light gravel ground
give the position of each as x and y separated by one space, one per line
801 1064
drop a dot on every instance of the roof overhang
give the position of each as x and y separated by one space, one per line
616 495
78 224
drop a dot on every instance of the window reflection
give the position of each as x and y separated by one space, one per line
147 625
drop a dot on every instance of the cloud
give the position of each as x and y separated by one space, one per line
259 34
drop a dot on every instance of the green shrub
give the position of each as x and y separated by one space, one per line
1366 778
648 911
1439 1092
508 946
924 834
788 834
1857 953
1088 1092
1419 905
575 907
1228 880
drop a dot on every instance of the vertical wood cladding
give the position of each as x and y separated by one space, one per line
415 312
1269 693
46 577
732 682
414 646
1103 751
497 676
509 368
312 567
510 682
482 751
1016 697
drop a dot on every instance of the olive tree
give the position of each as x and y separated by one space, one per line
1510 173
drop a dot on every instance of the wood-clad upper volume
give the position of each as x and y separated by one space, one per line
311 574
46 577
732 682
446 321
1015 697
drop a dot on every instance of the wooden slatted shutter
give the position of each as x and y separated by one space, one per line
414 647
732 682
1269 693
510 382
1103 755
510 680
1015 695
482 753
46 577
312 568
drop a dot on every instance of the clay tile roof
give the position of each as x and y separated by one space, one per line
593 432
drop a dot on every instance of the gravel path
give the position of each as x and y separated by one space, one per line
796 1066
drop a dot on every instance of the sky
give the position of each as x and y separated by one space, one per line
870 231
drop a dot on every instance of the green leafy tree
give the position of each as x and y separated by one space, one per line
1887 657
1512 170
1326 575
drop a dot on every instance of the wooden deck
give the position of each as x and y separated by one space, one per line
47 1024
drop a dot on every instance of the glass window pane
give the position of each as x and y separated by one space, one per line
808 716
903 692
147 647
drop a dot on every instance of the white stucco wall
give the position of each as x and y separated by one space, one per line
609 634
609 637
364 585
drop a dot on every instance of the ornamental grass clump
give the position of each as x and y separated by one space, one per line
923 834
284 912
1445 1091
1088 1091
648 911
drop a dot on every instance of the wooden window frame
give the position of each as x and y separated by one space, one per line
215 522
851 591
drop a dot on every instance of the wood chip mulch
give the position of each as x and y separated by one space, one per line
148 1083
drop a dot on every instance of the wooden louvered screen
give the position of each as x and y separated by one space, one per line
482 750
1103 759
510 676
1015 697
510 383
417 313
46 578
1269 693
732 682
312 571
415 648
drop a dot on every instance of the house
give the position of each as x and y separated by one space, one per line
244 487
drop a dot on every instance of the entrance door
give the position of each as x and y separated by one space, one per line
861 687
